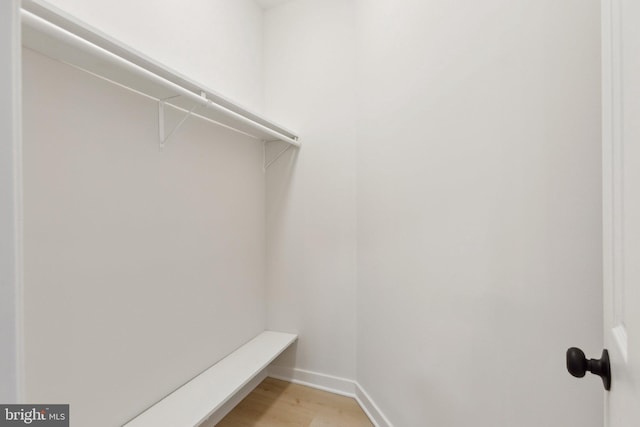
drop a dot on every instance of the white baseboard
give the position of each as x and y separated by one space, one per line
329 383
370 408
336 385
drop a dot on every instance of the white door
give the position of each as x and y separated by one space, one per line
621 207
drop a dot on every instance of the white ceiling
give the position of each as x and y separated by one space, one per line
266 4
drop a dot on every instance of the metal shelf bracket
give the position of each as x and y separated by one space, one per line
268 163
162 132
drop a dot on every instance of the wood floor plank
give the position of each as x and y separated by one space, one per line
276 403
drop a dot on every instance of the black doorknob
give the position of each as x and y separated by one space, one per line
578 365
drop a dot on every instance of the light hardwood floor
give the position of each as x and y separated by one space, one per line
276 403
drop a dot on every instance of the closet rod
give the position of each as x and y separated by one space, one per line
63 45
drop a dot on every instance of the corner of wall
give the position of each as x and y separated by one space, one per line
370 408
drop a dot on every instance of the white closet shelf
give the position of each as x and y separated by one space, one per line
54 33
197 400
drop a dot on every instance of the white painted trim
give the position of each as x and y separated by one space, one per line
333 384
330 383
369 407
18 209
11 274
621 338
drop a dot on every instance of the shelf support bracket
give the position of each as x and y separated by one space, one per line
277 156
162 133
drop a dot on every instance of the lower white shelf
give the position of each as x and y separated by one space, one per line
198 399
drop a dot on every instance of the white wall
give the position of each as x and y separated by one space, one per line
10 248
142 268
478 204
309 82
215 42
479 250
